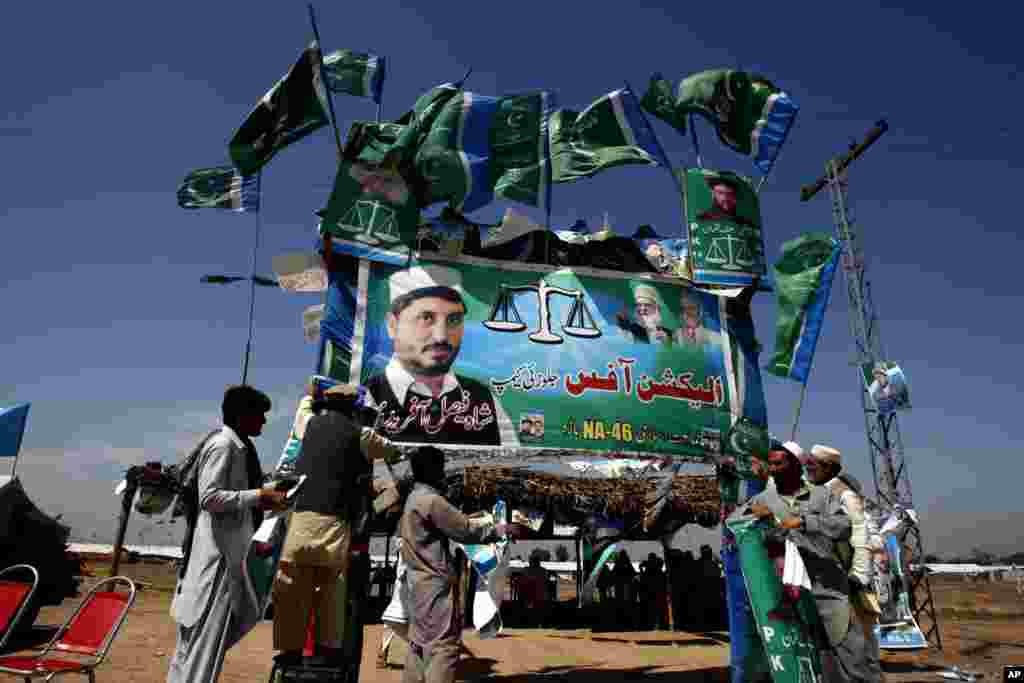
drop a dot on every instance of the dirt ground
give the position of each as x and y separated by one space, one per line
981 627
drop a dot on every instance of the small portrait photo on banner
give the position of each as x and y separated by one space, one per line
723 213
531 426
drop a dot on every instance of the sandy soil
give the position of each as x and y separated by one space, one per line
984 635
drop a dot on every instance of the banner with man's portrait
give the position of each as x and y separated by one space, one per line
723 213
897 629
887 386
482 353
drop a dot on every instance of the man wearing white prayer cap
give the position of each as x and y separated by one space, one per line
646 325
825 468
421 399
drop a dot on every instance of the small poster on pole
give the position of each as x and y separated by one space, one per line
887 386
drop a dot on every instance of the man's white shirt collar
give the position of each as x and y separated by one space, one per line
401 381
233 435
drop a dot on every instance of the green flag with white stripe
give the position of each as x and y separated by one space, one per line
610 132
355 73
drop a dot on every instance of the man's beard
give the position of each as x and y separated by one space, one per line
442 367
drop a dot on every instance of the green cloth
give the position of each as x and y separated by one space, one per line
790 645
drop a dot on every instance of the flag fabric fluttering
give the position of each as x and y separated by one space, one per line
355 73
479 147
751 115
220 187
292 109
803 283
12 429
612 131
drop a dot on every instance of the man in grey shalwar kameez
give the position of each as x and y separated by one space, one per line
210 607
813 518
429 523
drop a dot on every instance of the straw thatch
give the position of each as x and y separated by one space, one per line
691 499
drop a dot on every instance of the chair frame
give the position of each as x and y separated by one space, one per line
12 626
87 668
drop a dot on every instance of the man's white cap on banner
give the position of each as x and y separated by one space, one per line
424 277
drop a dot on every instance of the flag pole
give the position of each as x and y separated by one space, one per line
799 406
327 90
252 280
664 156
693 138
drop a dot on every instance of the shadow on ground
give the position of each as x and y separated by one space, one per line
591 675
27 639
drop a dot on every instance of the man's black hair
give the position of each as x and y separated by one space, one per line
427 463
242 399
440 292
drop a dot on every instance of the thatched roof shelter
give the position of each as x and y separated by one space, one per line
692 499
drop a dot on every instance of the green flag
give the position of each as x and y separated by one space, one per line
370 141
373 205
803 283
355 73
295 107
479 146
790 644
418 121
610 132
220 187
751 114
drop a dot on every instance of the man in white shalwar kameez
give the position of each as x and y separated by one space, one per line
211 608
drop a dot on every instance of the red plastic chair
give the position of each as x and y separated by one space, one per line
87 634
14 598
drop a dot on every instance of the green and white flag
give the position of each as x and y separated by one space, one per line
610 132
370 141
295 107
751 115
355 73
803 283
479 147
220 187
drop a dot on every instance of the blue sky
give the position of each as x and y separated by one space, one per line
124 354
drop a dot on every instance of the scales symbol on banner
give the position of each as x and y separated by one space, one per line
375 222
725 252
505 317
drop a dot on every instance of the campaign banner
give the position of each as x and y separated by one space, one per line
788 644
478 353
726 246
897 628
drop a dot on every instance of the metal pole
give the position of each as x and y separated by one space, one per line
327 91
799 405
664 159
693 138
252 289
122 521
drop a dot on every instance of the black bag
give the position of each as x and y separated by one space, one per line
186 475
